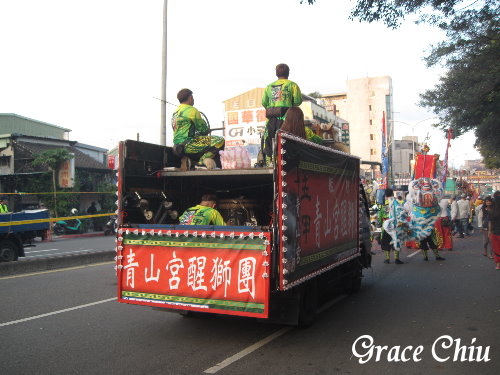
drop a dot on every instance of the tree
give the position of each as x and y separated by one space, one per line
315 95
467 97
52 159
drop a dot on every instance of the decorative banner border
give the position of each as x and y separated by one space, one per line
225 272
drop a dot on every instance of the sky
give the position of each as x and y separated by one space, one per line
94 66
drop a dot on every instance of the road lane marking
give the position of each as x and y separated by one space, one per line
246 351
58 270
56 312
39 251
67 252
413 254
264 341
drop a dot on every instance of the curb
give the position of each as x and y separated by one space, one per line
55 262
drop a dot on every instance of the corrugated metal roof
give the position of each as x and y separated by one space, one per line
27 150
12 123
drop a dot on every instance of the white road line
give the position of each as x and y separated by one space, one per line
413 254
67 252
56 312
38 251
246 351
56 270
264 341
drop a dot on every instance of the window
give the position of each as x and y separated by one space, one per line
372 136
371 122
251 102
373 151
4 161
370 107
236 104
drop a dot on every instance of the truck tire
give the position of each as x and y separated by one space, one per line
355 282
8 251
308 304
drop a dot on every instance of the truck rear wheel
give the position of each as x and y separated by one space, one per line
308 304
8 251
355 282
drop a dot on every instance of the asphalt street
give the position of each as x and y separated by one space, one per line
64 246
67 321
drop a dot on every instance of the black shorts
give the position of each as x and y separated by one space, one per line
385 241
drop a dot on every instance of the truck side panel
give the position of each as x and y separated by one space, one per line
318 205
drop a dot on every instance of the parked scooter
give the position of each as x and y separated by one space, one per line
110 226
72 226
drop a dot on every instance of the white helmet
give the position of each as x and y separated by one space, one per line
74 211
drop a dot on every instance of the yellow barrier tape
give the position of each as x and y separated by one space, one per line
63 192
21 222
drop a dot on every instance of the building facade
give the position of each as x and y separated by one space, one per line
366 105
403 155
22 139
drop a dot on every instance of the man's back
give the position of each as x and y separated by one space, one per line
201 215
188 123
282 93
463 209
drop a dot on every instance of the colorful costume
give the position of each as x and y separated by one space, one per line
278 97
201 215
388 239
192 131
312 136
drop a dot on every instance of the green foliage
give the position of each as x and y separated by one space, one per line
315 95
52 159
467 97
392 12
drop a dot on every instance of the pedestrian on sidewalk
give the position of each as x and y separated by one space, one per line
453 216
463 216
494 227
482 223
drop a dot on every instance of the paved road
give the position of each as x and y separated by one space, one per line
67 322
65 246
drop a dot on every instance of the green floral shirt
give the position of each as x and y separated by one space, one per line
183 120
282 93
201 215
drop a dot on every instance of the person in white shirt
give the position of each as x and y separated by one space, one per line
463 216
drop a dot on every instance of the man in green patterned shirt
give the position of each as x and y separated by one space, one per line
278 97
191 131
203 213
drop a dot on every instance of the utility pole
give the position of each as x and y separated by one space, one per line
163 96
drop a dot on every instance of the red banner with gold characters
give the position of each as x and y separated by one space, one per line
212 271
319 197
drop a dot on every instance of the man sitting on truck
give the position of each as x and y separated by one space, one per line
191 133
203 213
